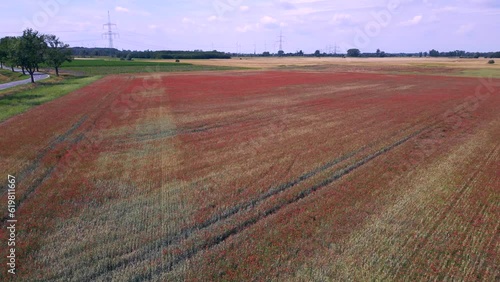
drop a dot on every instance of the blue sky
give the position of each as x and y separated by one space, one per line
245 26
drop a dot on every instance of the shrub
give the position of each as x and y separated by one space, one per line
177 61
491 62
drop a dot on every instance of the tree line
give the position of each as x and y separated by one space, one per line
147 54
431 53
354 52
32 50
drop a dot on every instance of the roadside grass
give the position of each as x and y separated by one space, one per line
105 67
20 99
9 76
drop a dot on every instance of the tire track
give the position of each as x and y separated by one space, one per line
46 174
212 242
58 140
187 232
35 164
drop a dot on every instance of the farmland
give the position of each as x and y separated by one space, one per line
288 172
93 67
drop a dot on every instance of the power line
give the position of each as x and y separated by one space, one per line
281 41
110 34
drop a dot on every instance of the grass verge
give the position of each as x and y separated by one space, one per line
9 76
20 99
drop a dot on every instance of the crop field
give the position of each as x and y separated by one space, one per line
259 175
92 67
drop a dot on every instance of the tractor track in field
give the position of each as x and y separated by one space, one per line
145 137
58 140
214 241
172 133
35 164
187 232
455 199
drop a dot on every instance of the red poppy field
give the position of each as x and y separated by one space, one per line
258 175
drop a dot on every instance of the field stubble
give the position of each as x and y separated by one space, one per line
189 178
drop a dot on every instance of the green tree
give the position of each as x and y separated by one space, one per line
317 53
31 49
13 52
57 52
434 53
4 51
353 53
9 46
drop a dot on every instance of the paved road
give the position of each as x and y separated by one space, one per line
37 76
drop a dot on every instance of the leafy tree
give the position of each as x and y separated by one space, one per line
281 53
31 48
12 51
353 53
4 51
378 52
426 54
317 53
434 53
57 52
266 54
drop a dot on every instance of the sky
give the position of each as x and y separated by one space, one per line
246 26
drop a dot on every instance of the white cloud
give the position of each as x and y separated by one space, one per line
339 19
187 21
414 21
464 29
268 20
246 28
244 8
212 18
121 9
